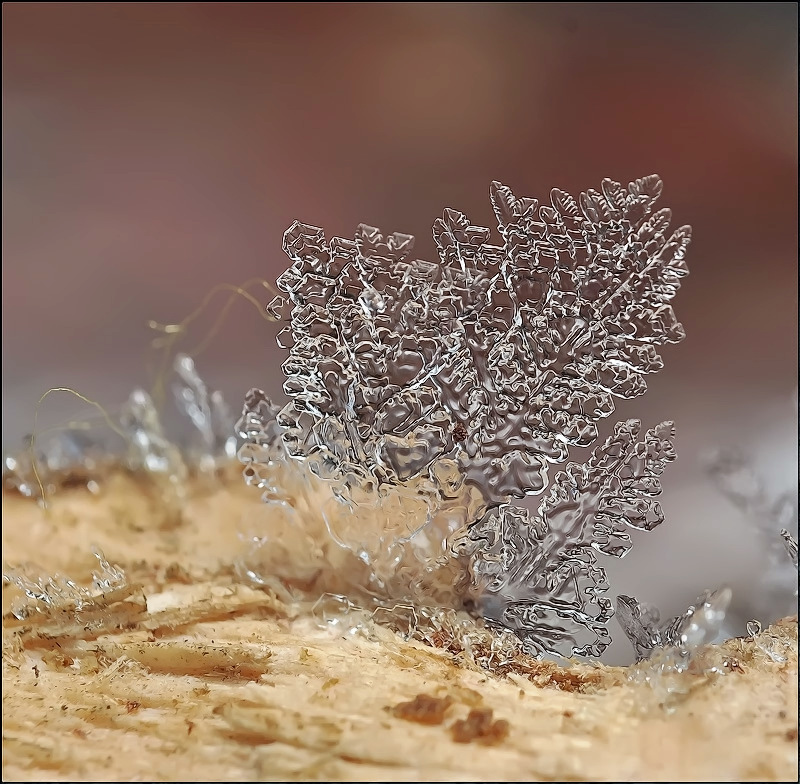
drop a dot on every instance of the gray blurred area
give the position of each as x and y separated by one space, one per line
152 151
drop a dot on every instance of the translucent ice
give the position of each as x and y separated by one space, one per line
207 411
698 626
791 546
46 593
431 396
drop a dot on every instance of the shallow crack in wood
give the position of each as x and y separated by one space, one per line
191 676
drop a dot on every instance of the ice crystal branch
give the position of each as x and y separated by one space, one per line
538 575
790 543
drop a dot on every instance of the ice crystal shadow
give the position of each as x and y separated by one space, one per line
457 385
774 518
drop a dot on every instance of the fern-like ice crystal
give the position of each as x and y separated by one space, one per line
463 381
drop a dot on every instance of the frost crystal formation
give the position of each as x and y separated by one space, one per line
538 574
47 594
207 411
462 382
698 626
70 457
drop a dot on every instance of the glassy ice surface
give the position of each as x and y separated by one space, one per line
456 385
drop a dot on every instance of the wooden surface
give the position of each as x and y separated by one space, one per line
188 675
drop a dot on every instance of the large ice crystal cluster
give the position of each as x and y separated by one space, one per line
460 383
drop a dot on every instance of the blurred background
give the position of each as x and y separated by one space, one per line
152 151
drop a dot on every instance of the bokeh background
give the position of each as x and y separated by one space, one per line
152 151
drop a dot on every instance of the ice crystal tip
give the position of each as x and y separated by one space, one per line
790 543
462 382
207 411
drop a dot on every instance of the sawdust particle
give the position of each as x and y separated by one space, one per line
479 727
423 709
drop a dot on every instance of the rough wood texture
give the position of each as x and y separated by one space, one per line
189 676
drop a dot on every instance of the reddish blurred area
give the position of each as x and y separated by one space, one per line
151 151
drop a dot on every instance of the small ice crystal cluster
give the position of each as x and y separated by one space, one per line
698 626
76 453
668 652
148 447
73 458
45 594
149 450
208 412
461 382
